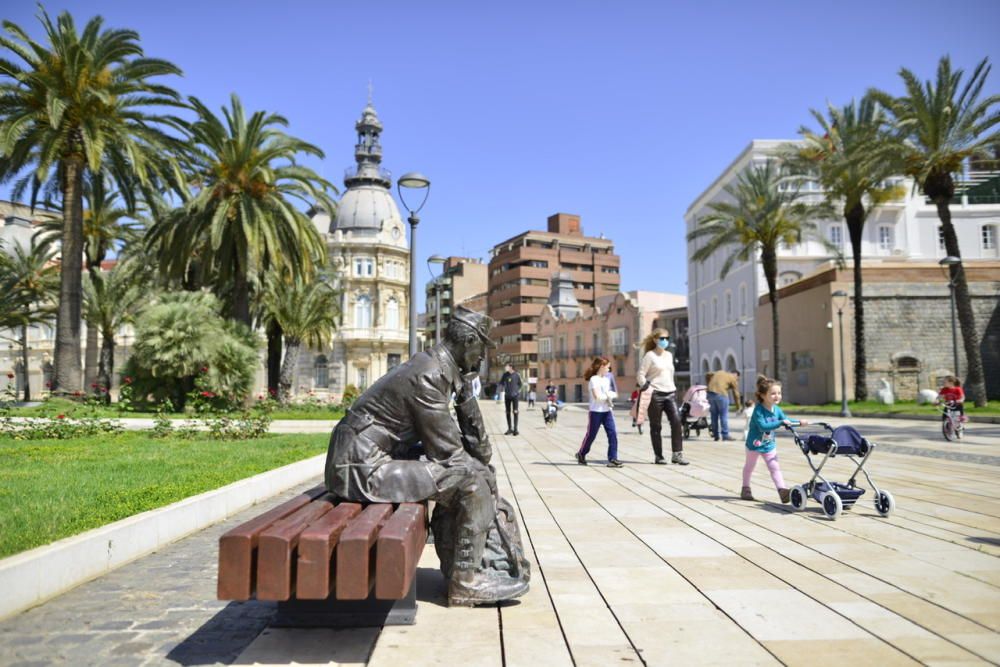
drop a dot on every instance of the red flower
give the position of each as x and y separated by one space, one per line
128 380
60 416
93 385
10 376
48 385
208 394
204 369
104 390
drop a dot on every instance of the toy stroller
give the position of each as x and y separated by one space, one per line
835 497
695 410
550 411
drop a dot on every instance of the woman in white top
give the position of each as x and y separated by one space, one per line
656 372
602 398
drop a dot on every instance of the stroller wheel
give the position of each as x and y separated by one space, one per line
798 497
687 432
884 503
832 505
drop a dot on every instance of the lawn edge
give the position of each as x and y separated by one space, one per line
31 577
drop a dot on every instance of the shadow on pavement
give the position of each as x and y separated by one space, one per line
225 635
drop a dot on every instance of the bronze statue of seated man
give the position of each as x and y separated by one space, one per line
399 443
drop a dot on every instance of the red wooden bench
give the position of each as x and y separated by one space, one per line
327 563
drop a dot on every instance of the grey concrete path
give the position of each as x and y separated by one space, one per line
647 564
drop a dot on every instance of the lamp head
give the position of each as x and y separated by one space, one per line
840 298
413 180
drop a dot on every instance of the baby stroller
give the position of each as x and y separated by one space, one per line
695 410
835 497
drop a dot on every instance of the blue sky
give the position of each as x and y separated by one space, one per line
621 112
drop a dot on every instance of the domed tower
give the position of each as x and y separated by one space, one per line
367 246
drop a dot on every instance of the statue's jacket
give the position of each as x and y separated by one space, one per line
373 449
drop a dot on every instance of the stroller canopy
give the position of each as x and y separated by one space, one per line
848 440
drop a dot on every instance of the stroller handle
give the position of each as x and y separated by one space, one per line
791 427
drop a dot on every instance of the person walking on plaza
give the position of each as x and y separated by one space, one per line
719 386
602 398
531 396
766 419
510 383
656 372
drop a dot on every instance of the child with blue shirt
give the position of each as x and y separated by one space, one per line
766 419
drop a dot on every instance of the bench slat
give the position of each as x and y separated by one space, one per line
238 547
277 549
316 544
355 553
399 545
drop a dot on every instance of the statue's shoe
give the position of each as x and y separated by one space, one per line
481 588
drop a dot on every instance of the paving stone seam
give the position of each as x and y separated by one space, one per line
819 573
687 474
537 561
691 583
606 602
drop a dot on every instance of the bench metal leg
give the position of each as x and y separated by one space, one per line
332 613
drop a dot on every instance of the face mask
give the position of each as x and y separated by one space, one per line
663 344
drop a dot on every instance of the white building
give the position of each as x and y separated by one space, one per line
903 229
367 245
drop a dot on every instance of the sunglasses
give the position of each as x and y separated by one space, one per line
664 337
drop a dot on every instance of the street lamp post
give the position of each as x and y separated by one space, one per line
416 181
741 326
436 259
840 298
946 264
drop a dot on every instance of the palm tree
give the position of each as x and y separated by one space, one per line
763 213
106 224
938 126
847 158
29 282
307 310
241 221
112 298
82 101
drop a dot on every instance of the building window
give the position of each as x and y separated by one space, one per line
393 360
619 341
715 311
578 339
364 267
743 299
545 346
788 277
885 238
597 343
837 235
321 371
363 312
392 314
989 237
729 306
362 379
940 238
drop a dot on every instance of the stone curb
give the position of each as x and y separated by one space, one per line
32 577
975 419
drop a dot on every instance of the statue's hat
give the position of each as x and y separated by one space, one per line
478 322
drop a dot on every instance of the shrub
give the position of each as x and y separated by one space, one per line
184 349
351 394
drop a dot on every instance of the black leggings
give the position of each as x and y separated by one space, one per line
510 403
659 403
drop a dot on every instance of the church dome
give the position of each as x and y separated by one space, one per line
366 206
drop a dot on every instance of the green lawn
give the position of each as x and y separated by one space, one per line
862 408
51 489
75 409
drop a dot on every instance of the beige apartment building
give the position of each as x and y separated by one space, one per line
463 281
569 339
520 280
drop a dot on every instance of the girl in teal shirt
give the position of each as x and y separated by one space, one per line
766 419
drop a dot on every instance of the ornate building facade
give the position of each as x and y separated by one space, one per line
367 246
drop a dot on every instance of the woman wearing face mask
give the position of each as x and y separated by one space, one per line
656 371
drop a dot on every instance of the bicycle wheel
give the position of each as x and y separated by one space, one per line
948 428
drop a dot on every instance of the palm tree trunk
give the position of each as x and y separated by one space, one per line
241 297
90 357
975 382
769 262
855 218
288 366
66 376
274 334
24 362
106 367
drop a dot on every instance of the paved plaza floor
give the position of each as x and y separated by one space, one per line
647 564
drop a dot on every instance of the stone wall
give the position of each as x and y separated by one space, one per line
910 323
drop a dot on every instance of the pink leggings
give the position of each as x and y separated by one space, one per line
771 459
